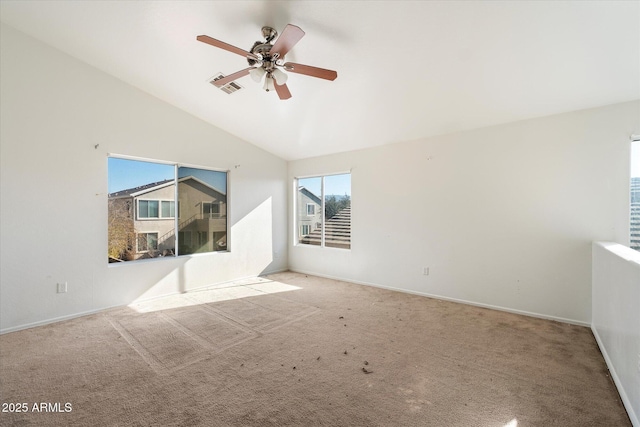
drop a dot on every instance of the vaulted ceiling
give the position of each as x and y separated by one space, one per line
406 69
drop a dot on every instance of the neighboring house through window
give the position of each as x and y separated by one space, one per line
330 194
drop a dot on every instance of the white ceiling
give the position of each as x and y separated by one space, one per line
406 69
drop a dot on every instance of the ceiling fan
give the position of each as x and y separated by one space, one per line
266 60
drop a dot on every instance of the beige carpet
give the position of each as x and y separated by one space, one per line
296 350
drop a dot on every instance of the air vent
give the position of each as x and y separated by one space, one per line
229 87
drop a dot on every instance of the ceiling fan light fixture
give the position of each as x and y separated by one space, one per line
268 83
280 76
257 74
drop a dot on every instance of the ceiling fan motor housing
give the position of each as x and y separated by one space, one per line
263 50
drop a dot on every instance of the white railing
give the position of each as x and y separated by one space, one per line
615 317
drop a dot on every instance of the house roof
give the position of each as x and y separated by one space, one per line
309 194
143 189
135 191
407 70
190 177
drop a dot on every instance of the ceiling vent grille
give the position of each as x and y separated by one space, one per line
229 87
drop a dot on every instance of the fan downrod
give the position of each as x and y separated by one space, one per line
269 33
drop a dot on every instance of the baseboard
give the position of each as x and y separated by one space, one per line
55 320
616 380
444 298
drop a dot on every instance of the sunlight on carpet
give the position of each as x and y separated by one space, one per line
236 290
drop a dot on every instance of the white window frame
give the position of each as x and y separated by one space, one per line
297 230
177 212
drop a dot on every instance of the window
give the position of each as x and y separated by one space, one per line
311 209
147 242
330 195
202 196
168 209
184 237
149 209
151 228
634 232
211 209
203 237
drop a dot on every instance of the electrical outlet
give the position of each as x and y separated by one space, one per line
62 288
425 271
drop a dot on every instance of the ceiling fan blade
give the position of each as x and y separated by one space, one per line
308 70
231 77
226 46
282 91
289 37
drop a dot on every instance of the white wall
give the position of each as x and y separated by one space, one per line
616 318
502 216
54 111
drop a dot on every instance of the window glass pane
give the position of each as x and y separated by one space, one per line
152 241
184 237
309 208
135 230
143 209
211 209
204 237
202 197
337 211
167 209
142 242
153 209
634 237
